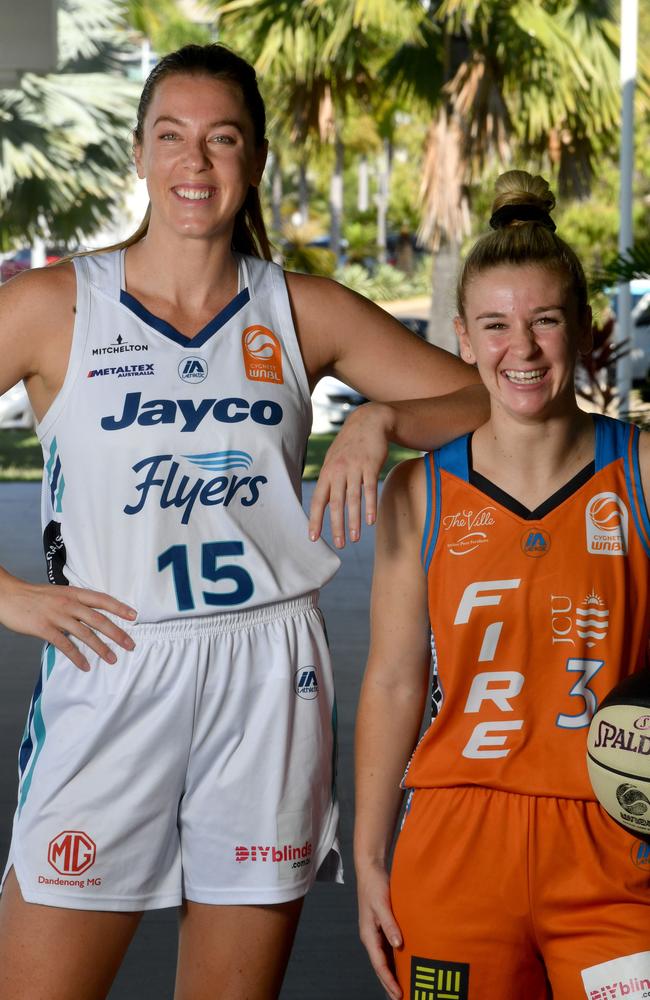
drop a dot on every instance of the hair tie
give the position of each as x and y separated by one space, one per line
521 213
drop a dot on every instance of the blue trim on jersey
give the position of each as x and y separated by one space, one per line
634 487
161 325
454 457
36 723
427 520
611 441
436 523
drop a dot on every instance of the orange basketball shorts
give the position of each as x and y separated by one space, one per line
512 897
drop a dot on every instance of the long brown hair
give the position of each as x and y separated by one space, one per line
219 63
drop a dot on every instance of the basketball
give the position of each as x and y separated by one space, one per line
618 754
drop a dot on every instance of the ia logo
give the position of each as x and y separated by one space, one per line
193 370
306 683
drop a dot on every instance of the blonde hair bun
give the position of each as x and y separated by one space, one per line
521 197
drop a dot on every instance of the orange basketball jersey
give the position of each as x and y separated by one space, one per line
535 616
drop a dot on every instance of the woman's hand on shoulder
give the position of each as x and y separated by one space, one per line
57 614
378 928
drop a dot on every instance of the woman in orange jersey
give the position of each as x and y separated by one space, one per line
513 548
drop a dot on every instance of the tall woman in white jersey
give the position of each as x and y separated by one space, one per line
180 744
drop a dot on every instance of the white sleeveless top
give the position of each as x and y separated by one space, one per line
172 464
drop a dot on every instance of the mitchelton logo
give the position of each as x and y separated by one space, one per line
71 852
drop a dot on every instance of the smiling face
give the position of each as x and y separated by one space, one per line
198 154
523 330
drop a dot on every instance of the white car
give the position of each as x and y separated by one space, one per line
640 335
332 401
15 411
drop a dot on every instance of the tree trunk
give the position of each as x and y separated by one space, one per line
276 193
445 272
336 196
303 192
362 184
383 188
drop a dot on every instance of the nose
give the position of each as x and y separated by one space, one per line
522 341
196 155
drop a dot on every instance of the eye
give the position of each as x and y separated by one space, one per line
496 325
223 140
168 136
547 320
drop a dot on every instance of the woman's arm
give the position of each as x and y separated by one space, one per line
355 457
36 322
343 334
392 701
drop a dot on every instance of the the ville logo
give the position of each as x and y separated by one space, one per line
589 621
305 683
71 852
535 542
120 346
607 525
436 980
262 355
193 370
469 522
123 371
469 519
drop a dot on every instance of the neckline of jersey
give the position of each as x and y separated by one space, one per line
510 503
168 330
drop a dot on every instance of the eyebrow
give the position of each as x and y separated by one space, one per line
539 309
180 121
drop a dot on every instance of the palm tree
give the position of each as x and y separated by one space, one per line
322 56
64 149
535 77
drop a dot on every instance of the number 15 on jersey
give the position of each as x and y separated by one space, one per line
177 558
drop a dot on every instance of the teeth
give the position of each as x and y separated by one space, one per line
193 194
533 376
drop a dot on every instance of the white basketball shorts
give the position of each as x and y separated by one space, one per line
200 766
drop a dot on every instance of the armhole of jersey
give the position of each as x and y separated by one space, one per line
77 346
282 305
432 516
635 489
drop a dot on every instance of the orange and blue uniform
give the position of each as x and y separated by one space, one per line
509 880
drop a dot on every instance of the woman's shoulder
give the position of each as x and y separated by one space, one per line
42 288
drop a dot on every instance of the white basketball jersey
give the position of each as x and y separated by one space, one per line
173 464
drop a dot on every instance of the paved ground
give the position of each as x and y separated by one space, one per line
327 961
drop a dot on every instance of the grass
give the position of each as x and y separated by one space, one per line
21 457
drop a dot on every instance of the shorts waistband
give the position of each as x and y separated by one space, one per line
228 621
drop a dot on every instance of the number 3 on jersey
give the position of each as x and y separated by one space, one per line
211 552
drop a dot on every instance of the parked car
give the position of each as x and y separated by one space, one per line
332 401
15 411
640 335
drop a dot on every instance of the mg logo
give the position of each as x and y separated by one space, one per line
193 370
71 852
306 683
